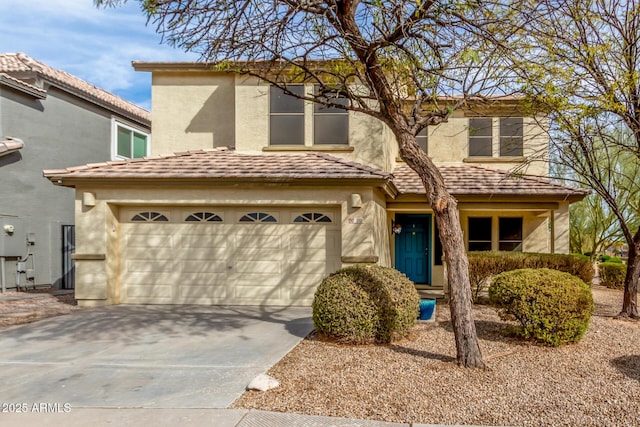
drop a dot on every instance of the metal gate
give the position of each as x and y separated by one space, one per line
68 248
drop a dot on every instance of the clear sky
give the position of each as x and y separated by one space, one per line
94 44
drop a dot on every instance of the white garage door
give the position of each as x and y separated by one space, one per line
226 256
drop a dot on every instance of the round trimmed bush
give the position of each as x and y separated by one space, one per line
550 306
612 275
364 304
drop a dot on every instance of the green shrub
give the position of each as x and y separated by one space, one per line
550 306
612 275
484 265
365 303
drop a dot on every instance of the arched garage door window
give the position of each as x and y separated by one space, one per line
149 216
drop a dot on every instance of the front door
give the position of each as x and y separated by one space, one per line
413 243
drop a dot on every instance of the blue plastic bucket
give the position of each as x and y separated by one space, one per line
427 309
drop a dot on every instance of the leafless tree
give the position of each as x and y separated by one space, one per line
579 61
409 64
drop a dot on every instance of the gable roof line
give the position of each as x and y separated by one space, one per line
20 62
223 164
22 86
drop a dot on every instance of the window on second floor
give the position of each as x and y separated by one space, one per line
422 138
511 137
286 120
509 140
128 142
480 137
330 124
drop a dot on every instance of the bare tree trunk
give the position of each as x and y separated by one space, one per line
630 300
445 209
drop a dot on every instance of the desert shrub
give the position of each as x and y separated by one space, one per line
365 303
484 265
550 306
612 275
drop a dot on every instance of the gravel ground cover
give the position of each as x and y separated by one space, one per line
17 310
592 383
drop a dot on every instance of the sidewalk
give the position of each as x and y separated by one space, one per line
99 417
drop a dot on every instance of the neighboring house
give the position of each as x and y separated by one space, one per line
268 194
51 119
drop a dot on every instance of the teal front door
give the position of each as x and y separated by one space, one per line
413 247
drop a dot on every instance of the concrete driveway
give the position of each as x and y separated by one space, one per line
146 356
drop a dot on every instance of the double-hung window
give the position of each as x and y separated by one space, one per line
481 236
286 121
480 233
510 230
480 137
129 143
511 137
422 139
330 124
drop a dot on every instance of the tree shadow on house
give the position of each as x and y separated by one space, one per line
628 365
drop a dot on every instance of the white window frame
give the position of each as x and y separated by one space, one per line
115 123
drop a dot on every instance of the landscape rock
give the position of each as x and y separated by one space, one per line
263 382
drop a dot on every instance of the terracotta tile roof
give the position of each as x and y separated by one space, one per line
8 80
223 164
474 180
9 145
18 65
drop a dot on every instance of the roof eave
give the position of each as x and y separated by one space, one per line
25 88
62 179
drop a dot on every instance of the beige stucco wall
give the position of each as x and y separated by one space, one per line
561 230
98 257
191 111
199 109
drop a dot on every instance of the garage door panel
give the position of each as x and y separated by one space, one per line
203 241
303 255
255 255
225 263
257 293
302 294
308 267
316 239
150 290
152 267
201 292
148 241
262 267
193 266
258 241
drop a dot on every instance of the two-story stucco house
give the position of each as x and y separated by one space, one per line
266 194
52 119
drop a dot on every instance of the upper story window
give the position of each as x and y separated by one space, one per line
480 137
286 120
511 137
330 124
128 142
422 139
